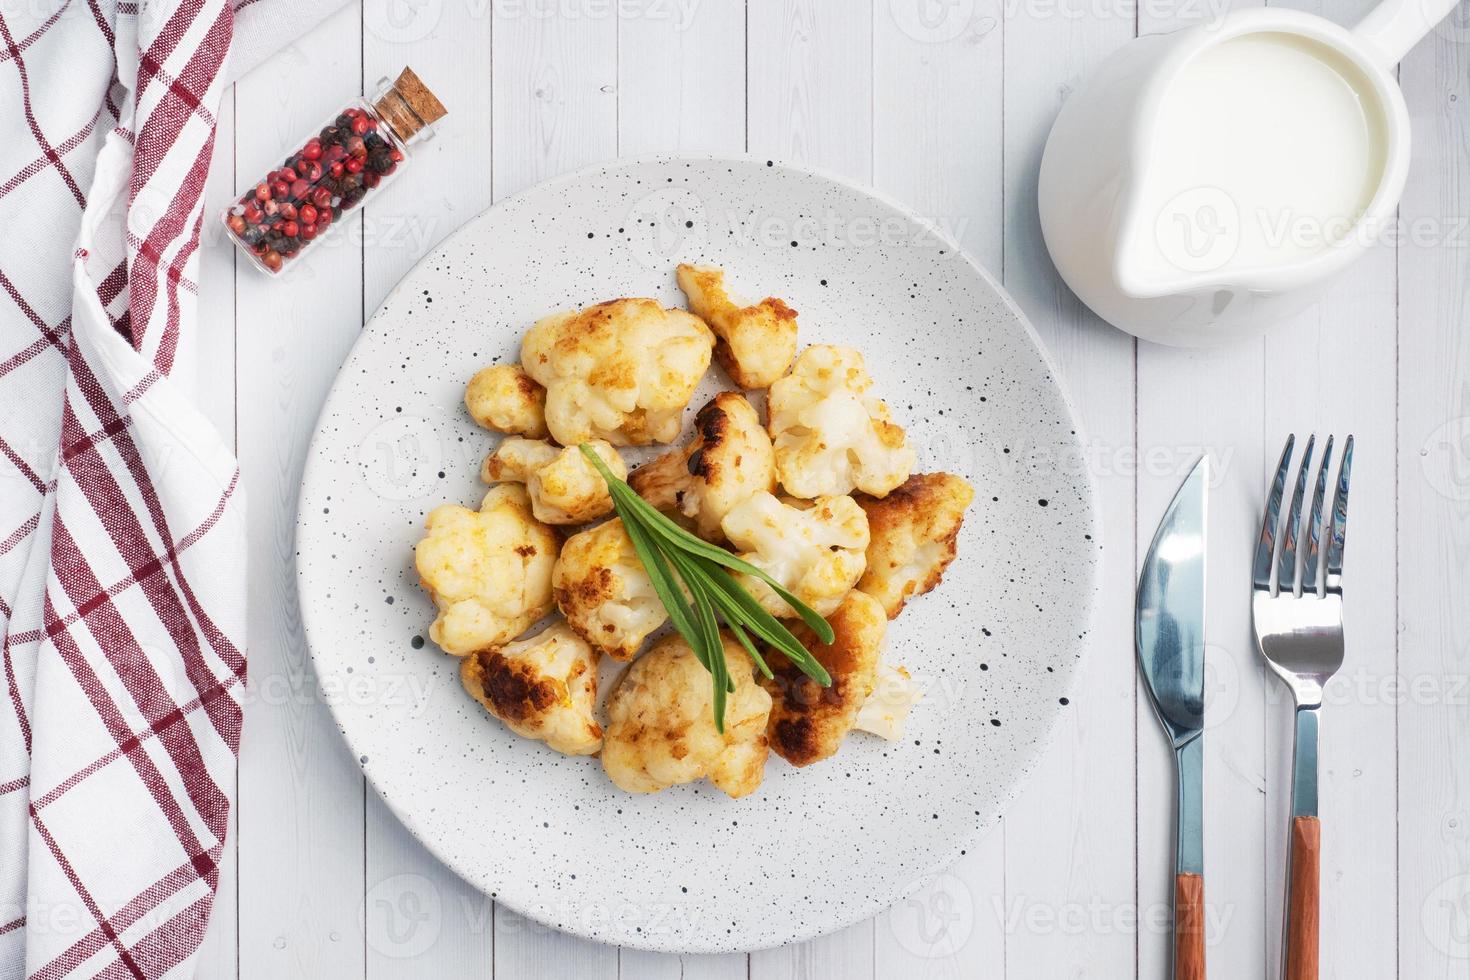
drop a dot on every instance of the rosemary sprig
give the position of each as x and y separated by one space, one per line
671 556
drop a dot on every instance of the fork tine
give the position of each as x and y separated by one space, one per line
1286 561
1266 546
1338 537
1314 524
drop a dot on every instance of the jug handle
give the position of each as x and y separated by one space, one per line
1395 26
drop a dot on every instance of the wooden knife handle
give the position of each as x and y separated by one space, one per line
1302 898
1189 927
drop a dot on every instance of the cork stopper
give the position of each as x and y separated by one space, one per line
408 106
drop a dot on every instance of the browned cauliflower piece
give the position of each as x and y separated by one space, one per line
913 536
604 592
808 722
756 343
488 571
816 549
565 487
729 459
504 398
544 688
832 434
621 370
661 729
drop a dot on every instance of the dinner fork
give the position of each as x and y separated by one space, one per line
1298 623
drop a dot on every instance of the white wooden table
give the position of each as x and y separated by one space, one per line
944 104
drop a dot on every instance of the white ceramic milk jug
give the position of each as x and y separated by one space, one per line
1207 183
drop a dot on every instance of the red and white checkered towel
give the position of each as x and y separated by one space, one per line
122 579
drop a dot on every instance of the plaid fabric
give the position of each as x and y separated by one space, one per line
121 522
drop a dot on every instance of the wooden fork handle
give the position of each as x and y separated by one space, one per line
1189 927
1303 897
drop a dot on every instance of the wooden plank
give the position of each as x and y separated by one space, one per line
206 356
694 103
555 91
952 928
681 80
555 77
937 129
1188 400
941 155
845 954
1433 516
301 793
1191 401
419 916
1070 855
810 83
524 948
637 965
211 362
1332 370
810 101
219 954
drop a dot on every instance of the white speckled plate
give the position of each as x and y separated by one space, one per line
996 646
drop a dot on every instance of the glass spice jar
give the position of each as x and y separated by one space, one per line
355 153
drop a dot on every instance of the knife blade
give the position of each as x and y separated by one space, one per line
1170 639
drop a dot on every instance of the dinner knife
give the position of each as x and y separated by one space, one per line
1170 632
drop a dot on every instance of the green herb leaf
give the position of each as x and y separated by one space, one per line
660 524
744 641
709 631
769 628
667 550
664 585
734 615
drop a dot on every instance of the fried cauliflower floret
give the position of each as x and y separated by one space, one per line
817 550
564 486
756 343
729 459
602 589
488 571
661 729
831 434
914 530
504 398
887 708
808 721
621 370
544 688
